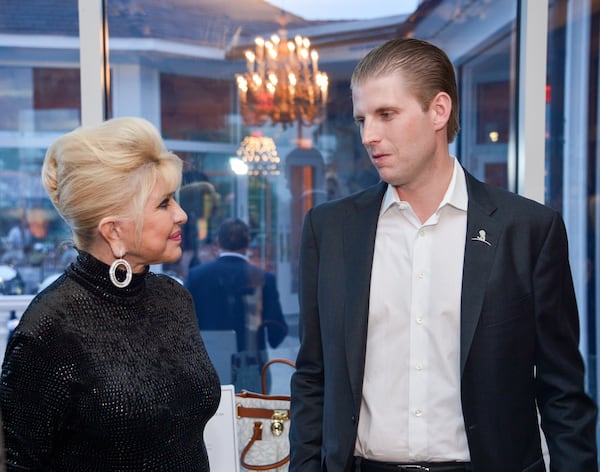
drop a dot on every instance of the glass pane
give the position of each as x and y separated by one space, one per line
487 88
39 99
186 80
176 64
194 109
572 155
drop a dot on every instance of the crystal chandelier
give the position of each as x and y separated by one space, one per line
259 153
282 83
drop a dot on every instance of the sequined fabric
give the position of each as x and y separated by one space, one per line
97 378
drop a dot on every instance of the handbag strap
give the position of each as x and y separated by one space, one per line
264 413
257 436
263 374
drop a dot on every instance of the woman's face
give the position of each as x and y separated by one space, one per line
161 235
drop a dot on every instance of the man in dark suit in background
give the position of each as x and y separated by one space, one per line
231 294
437 313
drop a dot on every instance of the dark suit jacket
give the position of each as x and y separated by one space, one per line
218 288
519 336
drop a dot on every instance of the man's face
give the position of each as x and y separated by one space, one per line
398 134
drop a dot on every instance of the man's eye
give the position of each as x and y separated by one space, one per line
387 115
359 122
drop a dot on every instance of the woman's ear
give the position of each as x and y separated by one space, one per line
441 107
109 228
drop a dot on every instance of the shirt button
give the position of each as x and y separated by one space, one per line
422 233
419 320
418 413
419 366
421 275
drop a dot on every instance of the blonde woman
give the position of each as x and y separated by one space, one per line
106 370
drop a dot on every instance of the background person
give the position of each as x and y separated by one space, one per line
106 369
230 293
17 243
458 314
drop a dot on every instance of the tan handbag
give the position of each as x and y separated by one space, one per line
263 427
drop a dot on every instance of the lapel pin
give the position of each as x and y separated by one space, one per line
481 237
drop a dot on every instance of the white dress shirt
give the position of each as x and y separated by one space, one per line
411 409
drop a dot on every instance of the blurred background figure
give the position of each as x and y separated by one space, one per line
17 243
230 293
200 201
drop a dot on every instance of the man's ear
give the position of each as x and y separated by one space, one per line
441 107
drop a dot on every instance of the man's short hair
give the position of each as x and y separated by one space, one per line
233 235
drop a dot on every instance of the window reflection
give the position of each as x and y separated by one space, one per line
195 108
572 156
493 112
175 64
39 99
183 79
487 101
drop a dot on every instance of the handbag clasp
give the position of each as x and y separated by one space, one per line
277 420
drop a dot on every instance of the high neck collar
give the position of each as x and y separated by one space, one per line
93 274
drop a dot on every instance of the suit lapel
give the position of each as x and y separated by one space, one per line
360 227
480 250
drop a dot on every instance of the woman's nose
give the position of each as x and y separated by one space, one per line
181 216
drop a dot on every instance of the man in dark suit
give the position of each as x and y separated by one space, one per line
231 294
437 313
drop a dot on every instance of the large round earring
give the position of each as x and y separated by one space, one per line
113 269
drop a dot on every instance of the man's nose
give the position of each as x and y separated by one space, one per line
369 133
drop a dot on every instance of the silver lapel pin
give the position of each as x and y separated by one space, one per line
481 237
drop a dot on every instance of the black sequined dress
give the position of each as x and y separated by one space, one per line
97 378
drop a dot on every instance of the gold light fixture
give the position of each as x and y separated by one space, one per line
282 83
259 153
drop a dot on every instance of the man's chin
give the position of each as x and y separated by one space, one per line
385 176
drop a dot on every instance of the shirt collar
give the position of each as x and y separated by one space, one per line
234 254
456 193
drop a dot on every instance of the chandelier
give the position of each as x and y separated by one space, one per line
282 83
259 154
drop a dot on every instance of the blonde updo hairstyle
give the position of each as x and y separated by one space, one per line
107 170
